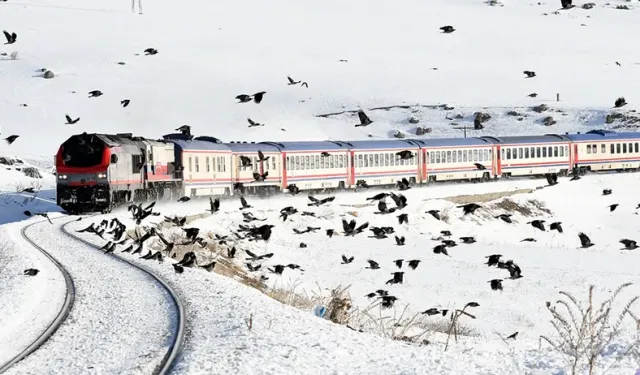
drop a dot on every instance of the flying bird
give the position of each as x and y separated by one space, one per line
585 241
413 264
556 226
346 260
31 271
613 207
532 95
496 284
620 102
606 192
125 102
11 38
538 224
253 123
71 121
150 51
364 119
95 93
447 29
629 244
529 73
505 217
12 138
435 214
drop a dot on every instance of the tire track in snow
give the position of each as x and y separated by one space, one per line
70 294
118 323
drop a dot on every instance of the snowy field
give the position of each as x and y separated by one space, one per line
360 54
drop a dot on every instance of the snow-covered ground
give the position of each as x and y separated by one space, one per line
393 54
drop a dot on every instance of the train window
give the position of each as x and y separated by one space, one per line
588 149
459 156
475 155
538 153
544 152
371 160
624 148
561 150
208 164
454 157
526 152
448 157
360 161
307 162
613 149
432 157
594 148
464 156
617 148
340 161
296 163
514 155
288 162
376 160
386 160
555 151
550 151
603 149
630 147
508 154
437 157
317 162
331 161
190 164
366 160
223 161
635 148
520 153
313 163
273 163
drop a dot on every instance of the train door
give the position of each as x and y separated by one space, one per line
497 162
351 168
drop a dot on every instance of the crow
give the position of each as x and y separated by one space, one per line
11 38
445 233
244 203
257 97
95 93
350 227
493 259
532 95
566 4
413 264
316 202
31 271
12 138
556 226
208 267
253 123
505 217
435 214
449 243
400 241
468 240
441 249
398 278
400 200
480 166
585 241
293 189
448 29
178 268
364 119
373 265
529 73
606 192
231 253
70 121
388 301
380 196
469 208
405 155
496 284
125 102
185 130
514 270
620 102
382 208
150 51
291 81
277 269
514 335
613 207
529 240
403 184
243 98
257 177
346 260
538 224
325 154
629 244
214 205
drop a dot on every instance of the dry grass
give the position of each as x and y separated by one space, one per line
486 197
584 333
531 207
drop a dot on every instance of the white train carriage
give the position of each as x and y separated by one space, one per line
456 159
532 155
377 163
271 167
314 165
601 150
206 166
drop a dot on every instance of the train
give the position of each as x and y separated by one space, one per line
96 172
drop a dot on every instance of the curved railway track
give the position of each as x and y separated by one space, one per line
70 295
177 337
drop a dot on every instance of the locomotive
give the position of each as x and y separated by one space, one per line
96 172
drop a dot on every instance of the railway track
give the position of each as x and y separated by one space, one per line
177 336
175 341
61 316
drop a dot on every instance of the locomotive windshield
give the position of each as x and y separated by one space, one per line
82 151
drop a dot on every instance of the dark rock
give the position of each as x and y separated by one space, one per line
399 134
540 108
479 119
31 172
588 5
414 120
48 74
513 113
422 130
548 121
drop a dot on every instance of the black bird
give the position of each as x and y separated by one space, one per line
398 278
257 177
532 95
606 192
566 4
413 264
380 196
382 208
293 189
403 184
449 243
447 29
253 123
178 268
435 214
629 244
325 154
400 200
346 260
243 98
31 271
261 156
70 121
493 260
505 217
125 102
405 155
185 130
304 84
388 301
373 265
556 226
529 240
480 166
319 202
514 335
244 203
538 224
496 284
441 249
214 205
350 227
231 253
364 119
95 93
398 262
184 199
245 161
514 270
585 241
617 63
12 138
400 241
613 207
469 208
257 97
445 233
208 267
291 81
330 233
150 51
620 102
529 73
277 269
11 38
468 240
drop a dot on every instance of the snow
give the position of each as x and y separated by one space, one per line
112 303
209 52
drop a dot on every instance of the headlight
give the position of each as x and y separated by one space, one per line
102 175
62 176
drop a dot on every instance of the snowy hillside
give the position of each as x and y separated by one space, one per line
209 52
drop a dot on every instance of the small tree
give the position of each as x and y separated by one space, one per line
584 332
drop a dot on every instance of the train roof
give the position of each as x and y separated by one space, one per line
444 142
377 144
251 147
527 139
198 145
602 135
309 145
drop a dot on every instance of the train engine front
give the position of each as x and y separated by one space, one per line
82 172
